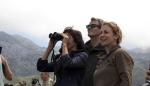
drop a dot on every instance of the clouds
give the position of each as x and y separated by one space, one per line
35 19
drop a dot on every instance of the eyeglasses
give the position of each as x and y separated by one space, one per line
90 26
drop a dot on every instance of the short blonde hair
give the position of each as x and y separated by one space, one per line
116 30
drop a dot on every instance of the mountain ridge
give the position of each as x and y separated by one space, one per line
22 55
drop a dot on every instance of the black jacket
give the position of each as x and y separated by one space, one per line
91 63
69 69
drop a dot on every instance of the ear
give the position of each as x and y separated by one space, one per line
116 37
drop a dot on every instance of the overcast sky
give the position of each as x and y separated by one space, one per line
35 19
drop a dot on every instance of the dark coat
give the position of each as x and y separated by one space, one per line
91 63
69 69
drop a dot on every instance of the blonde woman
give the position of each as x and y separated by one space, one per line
115 65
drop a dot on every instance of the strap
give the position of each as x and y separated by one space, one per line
53 56
52 60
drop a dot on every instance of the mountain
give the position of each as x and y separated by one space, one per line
141 64
22 54
26 42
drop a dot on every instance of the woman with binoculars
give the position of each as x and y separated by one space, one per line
69 65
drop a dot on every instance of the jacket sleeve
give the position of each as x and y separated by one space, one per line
77 61
44 66
124 65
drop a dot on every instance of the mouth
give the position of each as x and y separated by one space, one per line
103 39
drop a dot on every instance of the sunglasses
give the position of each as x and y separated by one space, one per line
90 26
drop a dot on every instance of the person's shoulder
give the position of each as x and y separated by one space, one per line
87 46
123 54
88 42
121 51
82 53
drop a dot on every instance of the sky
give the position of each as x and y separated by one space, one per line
35 19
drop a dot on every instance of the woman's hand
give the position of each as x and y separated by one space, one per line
64 44
65 38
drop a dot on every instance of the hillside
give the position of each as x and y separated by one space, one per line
22 55
141 65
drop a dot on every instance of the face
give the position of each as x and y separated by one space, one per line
44 76
107 37
70 43
93 29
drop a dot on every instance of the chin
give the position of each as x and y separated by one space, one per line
104 44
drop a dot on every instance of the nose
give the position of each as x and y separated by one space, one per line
101 34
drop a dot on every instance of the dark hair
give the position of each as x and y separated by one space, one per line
77 37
